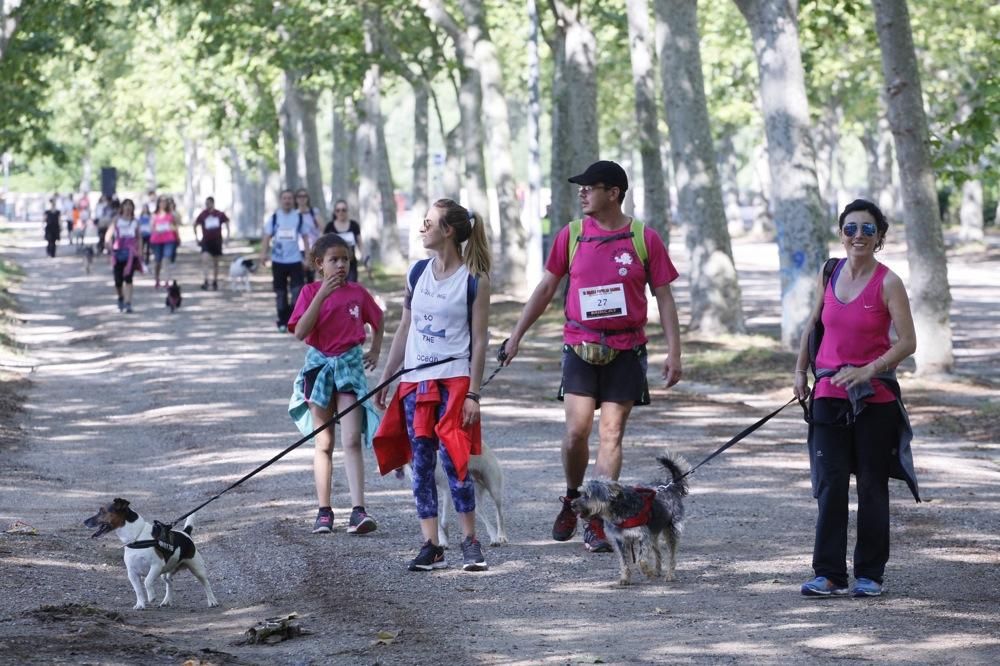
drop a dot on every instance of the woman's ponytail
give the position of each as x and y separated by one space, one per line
469 228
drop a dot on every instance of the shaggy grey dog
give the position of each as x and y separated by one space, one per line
637 517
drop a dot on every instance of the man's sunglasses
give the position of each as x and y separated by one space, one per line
867 229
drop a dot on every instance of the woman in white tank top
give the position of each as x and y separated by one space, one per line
436 409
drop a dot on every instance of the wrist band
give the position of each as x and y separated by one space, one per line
802 371
472 395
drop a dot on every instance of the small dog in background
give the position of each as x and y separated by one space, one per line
157 554
174 296
239 273
637 517
87 252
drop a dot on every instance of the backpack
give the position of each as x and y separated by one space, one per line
470 291
274 224
636 232
816 334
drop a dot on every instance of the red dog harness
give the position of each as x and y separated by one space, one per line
645 513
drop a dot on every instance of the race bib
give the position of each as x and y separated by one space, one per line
212 222
285 234
163 227
602 302
126 231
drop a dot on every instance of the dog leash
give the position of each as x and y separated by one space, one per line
746 431
334 419
501 357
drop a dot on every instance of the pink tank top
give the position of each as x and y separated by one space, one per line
856 333
163 229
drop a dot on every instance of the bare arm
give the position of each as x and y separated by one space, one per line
371 358
533 309
667 308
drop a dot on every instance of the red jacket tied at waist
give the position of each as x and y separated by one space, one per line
392 442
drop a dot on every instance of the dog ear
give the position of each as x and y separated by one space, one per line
120 504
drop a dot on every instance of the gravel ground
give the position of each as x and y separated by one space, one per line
166 410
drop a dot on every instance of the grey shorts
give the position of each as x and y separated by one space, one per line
621 380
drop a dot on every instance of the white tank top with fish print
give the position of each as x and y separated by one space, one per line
439 326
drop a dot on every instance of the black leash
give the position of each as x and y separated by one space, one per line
306 438
501 357
746 431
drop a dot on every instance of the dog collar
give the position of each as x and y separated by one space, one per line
641 518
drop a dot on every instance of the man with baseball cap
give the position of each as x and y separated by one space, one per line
610 258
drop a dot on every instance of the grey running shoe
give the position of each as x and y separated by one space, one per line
472 555
324 522
361 522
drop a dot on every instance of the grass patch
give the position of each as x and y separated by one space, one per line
752 363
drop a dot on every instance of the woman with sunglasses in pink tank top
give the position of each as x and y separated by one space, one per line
857 421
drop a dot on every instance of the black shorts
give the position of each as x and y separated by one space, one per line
212 246
309 379
622 380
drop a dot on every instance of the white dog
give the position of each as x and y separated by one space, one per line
151 552
486 472
239 273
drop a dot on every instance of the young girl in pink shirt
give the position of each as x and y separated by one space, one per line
330 316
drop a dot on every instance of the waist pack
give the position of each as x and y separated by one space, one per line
594 353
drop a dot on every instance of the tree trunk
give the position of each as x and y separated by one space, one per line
289 116
971 213
451 180
310 144
828 158
513 237
470 106
928 287
729 168
421 155
878 150
190 177
655 199
532 213
392 252
340 165
150 164
795 202
715 291
86 171
574 123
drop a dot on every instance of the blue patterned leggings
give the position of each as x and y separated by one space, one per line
463 493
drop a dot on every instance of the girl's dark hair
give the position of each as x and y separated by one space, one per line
871 209
128 202
468 226
324 243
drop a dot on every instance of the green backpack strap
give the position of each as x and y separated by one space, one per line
575 229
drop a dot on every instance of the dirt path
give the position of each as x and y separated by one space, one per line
165 410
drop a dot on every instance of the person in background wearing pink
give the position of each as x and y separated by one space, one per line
164 239
610 334
857 422
123 238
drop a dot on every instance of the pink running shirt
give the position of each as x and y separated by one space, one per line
163 229
342 318
856 333
615 266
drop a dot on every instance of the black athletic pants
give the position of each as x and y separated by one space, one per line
864 447
285 278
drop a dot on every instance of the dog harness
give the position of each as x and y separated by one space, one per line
167 542
645 513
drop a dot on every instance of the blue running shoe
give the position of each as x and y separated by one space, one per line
821 586
866 587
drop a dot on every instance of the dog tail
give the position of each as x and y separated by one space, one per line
677 467
189 524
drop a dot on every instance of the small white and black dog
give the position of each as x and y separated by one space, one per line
637 517
239 273
150 551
